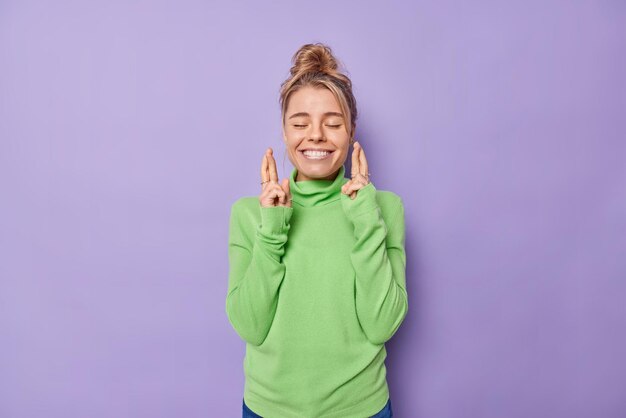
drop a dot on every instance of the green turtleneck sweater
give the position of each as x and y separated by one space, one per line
315 290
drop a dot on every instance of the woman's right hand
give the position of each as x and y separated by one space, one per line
273 193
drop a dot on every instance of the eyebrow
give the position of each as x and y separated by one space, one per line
325 114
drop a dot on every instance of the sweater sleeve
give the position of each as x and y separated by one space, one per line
379 260
256 269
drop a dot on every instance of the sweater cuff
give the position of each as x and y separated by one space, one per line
275 219
365 201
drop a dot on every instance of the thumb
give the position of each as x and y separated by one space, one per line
286 188
285 184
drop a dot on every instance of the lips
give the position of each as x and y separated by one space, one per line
316 154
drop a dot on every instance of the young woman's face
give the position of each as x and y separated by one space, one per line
313 121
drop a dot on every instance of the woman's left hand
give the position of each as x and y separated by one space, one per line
360 175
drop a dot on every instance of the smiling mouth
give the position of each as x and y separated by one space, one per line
316 155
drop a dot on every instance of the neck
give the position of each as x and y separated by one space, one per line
316 192
331 177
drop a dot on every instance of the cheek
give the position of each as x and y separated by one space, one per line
294 138
344 150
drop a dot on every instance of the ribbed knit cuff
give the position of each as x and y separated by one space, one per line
275 219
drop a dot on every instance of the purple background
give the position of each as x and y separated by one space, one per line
128 128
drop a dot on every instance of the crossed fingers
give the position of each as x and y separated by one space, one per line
359 174
273 193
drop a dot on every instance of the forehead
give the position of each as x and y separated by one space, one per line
313 100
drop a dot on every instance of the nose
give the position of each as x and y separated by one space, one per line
316 134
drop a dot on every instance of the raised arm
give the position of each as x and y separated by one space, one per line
378 255
256 270
255 254
379 260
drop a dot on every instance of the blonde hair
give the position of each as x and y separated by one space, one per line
315 65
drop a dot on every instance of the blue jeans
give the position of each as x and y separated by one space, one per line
386 412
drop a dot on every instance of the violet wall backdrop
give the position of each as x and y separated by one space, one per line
128 128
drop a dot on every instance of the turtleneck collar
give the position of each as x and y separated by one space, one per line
316 192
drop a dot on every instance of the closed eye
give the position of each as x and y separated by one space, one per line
330 126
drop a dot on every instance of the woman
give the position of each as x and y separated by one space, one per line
317 262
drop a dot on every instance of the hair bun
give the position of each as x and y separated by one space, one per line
315 65
314 58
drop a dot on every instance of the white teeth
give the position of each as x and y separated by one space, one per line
316 154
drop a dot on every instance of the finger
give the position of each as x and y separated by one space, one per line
363 162
271 198
361 179
285 185
344 188
277 192
282 199
265 176
355 159
354 186
267 198
271 191
272 165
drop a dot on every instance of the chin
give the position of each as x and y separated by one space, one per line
317 173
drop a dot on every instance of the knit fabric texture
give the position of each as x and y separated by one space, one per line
315 290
